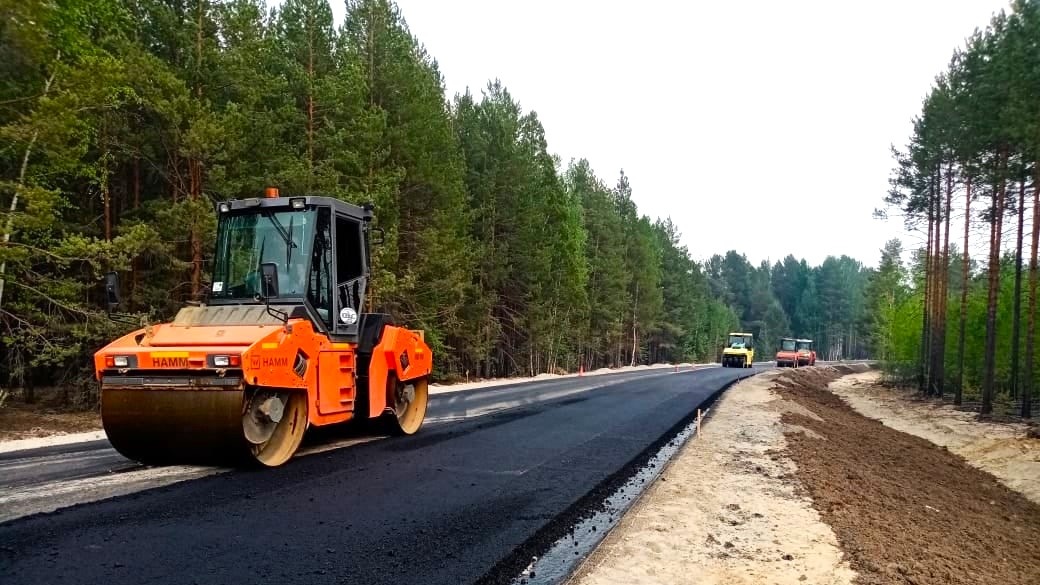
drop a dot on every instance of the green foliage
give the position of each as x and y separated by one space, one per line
133 119
896 327
824 303
529 286
976 141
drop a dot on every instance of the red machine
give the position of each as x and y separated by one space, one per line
806 353
787 356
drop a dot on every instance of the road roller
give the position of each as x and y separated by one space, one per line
281 343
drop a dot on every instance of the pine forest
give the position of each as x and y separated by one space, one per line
124 122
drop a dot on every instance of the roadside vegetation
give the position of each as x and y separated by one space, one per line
122 123
951 323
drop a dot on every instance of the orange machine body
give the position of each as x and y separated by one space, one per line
787 357
269 355
283 343
806 353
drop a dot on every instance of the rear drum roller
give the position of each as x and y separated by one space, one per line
408 401
274 423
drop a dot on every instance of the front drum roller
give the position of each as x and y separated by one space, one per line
164 426
407 403
274 424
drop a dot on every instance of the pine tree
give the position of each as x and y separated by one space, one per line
124 122
608 295
414 175
886 292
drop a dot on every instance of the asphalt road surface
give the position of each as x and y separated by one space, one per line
489 470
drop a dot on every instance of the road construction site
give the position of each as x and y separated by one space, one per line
823 476
560 480
494 478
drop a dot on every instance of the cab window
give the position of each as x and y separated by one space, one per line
319 285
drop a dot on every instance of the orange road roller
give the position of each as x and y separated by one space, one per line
281 343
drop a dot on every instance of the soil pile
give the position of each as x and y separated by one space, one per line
904 509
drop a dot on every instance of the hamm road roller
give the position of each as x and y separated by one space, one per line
806 353
787 355
281 343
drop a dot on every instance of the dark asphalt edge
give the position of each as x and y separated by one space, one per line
510 569
514 385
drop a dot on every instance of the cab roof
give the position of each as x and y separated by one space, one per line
743 334
337 205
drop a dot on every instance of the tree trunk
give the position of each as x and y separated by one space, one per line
922 380
194 193
174 178
310 97
29 386
196 263
137 182
9 227
935 320
106 194
1017 310
994 290
944 274
635 305
137 205
106 198
1027 387
195 170
966 264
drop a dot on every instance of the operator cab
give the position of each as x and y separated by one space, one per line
303 256
804 345
739 341
787 344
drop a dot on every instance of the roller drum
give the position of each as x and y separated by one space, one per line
201 426
166 426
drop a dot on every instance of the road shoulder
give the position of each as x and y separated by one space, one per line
790 484
728 509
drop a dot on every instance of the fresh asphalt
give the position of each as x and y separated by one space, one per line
44 466
491 468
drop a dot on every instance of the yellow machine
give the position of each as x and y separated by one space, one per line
739 351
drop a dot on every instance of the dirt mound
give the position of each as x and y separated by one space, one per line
905 510
1005 449
21 421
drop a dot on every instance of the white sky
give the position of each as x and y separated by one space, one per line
760 126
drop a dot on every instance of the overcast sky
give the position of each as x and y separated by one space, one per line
760 126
